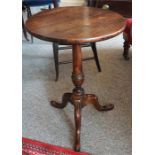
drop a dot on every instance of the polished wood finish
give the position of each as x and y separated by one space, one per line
75 26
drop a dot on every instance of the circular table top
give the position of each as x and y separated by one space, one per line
75 25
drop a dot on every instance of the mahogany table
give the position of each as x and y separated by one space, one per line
75 26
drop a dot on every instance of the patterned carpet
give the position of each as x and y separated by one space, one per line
33 147
103 133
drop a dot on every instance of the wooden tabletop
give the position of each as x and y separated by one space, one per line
75 25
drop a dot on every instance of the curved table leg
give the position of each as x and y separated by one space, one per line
93 99
77 117
65 100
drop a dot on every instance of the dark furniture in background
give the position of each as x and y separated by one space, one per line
89 30
124 7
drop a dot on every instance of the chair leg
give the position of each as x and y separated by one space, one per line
29 14
31 39
93 46
56 59
24 30
28 11
55 4
126 50
91 3
49 7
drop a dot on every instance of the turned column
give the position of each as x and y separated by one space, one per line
78 92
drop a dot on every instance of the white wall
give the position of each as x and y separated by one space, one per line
72 2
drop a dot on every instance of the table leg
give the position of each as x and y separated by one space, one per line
78 92
65 100
78 98
77 117
93 99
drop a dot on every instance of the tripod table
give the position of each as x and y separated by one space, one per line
76 25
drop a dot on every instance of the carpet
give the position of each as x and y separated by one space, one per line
34 147
102 133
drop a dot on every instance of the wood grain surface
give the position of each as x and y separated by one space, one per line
75 25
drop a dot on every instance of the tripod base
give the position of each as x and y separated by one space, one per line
79 101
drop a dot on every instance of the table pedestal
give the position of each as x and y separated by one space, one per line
78 97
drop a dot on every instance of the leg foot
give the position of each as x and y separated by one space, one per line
65 100
92 99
